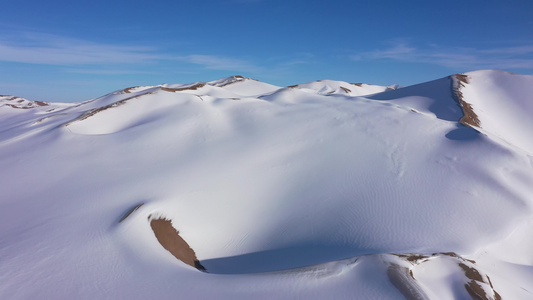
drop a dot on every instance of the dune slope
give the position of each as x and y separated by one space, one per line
320 190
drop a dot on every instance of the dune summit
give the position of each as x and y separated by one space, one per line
320 190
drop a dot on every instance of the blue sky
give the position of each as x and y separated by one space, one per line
77 50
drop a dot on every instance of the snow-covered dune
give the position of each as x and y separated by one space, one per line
319 190
502 104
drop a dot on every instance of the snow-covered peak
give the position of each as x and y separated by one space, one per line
329 87
228 80
245 87
134 90
19 103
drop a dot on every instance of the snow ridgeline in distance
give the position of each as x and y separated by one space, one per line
319 190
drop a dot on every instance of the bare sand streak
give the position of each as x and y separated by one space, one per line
170 239
469 118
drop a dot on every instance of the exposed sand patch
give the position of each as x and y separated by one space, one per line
128 90
123 101
187 88
414 258
232 80
21 103
474 288
453 254
194 86
347 90
170 239
477 284
48 118
470 118
100 109
229 80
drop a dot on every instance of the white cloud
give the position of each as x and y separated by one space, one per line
104 71
39 48
399 51
42 48
519 57
520 50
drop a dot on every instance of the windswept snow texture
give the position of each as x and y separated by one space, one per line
323 190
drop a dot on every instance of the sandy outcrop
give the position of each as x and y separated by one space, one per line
476 283
170 239
469 118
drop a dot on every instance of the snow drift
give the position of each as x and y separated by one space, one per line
324 189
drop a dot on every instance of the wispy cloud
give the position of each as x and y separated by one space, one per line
38 48
520 50
301 58
104 71
400 51
89 57
213 62
519 57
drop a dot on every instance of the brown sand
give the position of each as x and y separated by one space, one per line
93 112
123 101
347 90
188 88
469 118
170 239
411 257
128 90
474 288
232 82
17 102
474 282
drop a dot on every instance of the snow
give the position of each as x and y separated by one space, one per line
328 87
298 192
503 104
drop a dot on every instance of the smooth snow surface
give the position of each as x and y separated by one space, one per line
320 190
502 102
